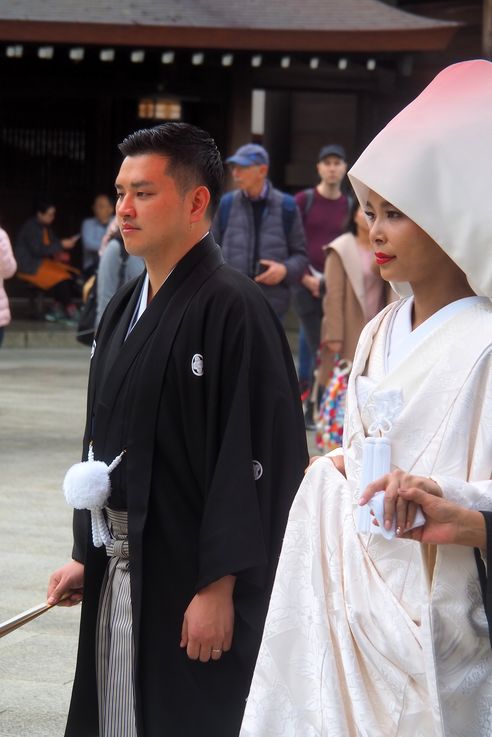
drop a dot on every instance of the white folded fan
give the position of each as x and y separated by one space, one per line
376 462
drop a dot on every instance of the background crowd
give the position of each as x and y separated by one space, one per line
309 251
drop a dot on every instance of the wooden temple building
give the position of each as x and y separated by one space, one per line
77 77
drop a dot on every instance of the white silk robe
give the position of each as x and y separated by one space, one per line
360 639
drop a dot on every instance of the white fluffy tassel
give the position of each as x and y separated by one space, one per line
87 486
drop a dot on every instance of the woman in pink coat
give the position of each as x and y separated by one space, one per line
8 268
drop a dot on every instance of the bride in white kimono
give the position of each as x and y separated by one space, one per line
371 634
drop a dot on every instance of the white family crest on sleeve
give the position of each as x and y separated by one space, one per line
93 349
257 470
87 486
197 364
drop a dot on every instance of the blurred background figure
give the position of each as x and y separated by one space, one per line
8 268
111 231
325 213
42 260
92 232
259 228
116 267
355 293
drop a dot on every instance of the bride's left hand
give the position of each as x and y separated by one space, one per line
394 503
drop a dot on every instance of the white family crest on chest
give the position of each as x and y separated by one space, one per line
257 470
93 349
197 364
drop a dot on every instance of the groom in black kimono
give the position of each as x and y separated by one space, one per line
192 376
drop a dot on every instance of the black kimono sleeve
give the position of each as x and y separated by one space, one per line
256 450
81 525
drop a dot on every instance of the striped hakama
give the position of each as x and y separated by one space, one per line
114 643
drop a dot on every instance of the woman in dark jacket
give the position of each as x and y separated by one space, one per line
42 261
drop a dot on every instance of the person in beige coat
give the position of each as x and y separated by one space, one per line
354 294
8 268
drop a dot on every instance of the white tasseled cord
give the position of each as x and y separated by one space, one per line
87 486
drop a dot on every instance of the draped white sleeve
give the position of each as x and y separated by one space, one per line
359 639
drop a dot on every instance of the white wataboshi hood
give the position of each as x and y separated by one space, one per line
433 162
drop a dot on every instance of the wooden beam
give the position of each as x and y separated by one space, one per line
487 30
244 39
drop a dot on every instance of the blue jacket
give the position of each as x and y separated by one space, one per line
238 243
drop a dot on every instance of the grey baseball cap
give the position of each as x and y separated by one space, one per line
251 154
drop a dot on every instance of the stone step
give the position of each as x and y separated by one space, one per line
40 334
28 329
25 331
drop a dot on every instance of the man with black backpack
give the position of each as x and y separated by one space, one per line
324 210
260 228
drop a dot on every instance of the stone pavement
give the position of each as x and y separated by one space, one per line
42 398
42 407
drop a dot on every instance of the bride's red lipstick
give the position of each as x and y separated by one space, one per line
383 258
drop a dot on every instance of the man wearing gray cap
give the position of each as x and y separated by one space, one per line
260 228
325 213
